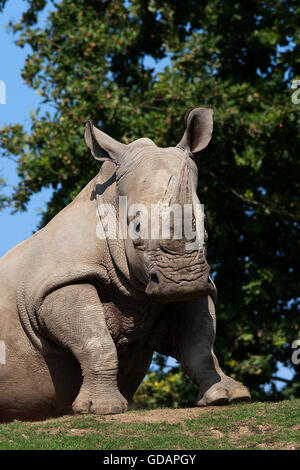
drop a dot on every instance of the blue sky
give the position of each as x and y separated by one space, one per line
20 99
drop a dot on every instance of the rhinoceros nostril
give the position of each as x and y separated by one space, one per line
154 278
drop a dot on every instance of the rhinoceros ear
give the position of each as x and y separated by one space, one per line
198 131
102 146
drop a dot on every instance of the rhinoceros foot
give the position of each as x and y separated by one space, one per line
102 404
225 392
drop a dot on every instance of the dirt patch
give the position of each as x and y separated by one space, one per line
216 433
167 415
67 431
78 432
279 446
267 428
296 427
49 431
243 430
60 419
248 429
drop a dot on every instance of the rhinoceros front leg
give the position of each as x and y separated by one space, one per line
73 317
187 332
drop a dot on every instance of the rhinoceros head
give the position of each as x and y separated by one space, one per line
160 186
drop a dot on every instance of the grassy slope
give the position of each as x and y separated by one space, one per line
254 426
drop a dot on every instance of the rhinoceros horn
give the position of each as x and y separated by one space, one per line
183 191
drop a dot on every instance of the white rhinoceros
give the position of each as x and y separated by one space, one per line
81 313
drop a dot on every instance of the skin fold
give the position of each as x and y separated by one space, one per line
81 315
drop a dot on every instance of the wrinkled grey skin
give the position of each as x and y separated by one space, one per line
81 317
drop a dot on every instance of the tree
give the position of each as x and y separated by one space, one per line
90 60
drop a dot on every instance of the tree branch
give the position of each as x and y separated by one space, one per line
275 210
281 379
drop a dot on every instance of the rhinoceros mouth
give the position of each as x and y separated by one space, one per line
178 276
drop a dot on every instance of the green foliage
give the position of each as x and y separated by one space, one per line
4 200
89 61
165 389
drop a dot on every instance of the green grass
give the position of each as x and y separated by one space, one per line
244 426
